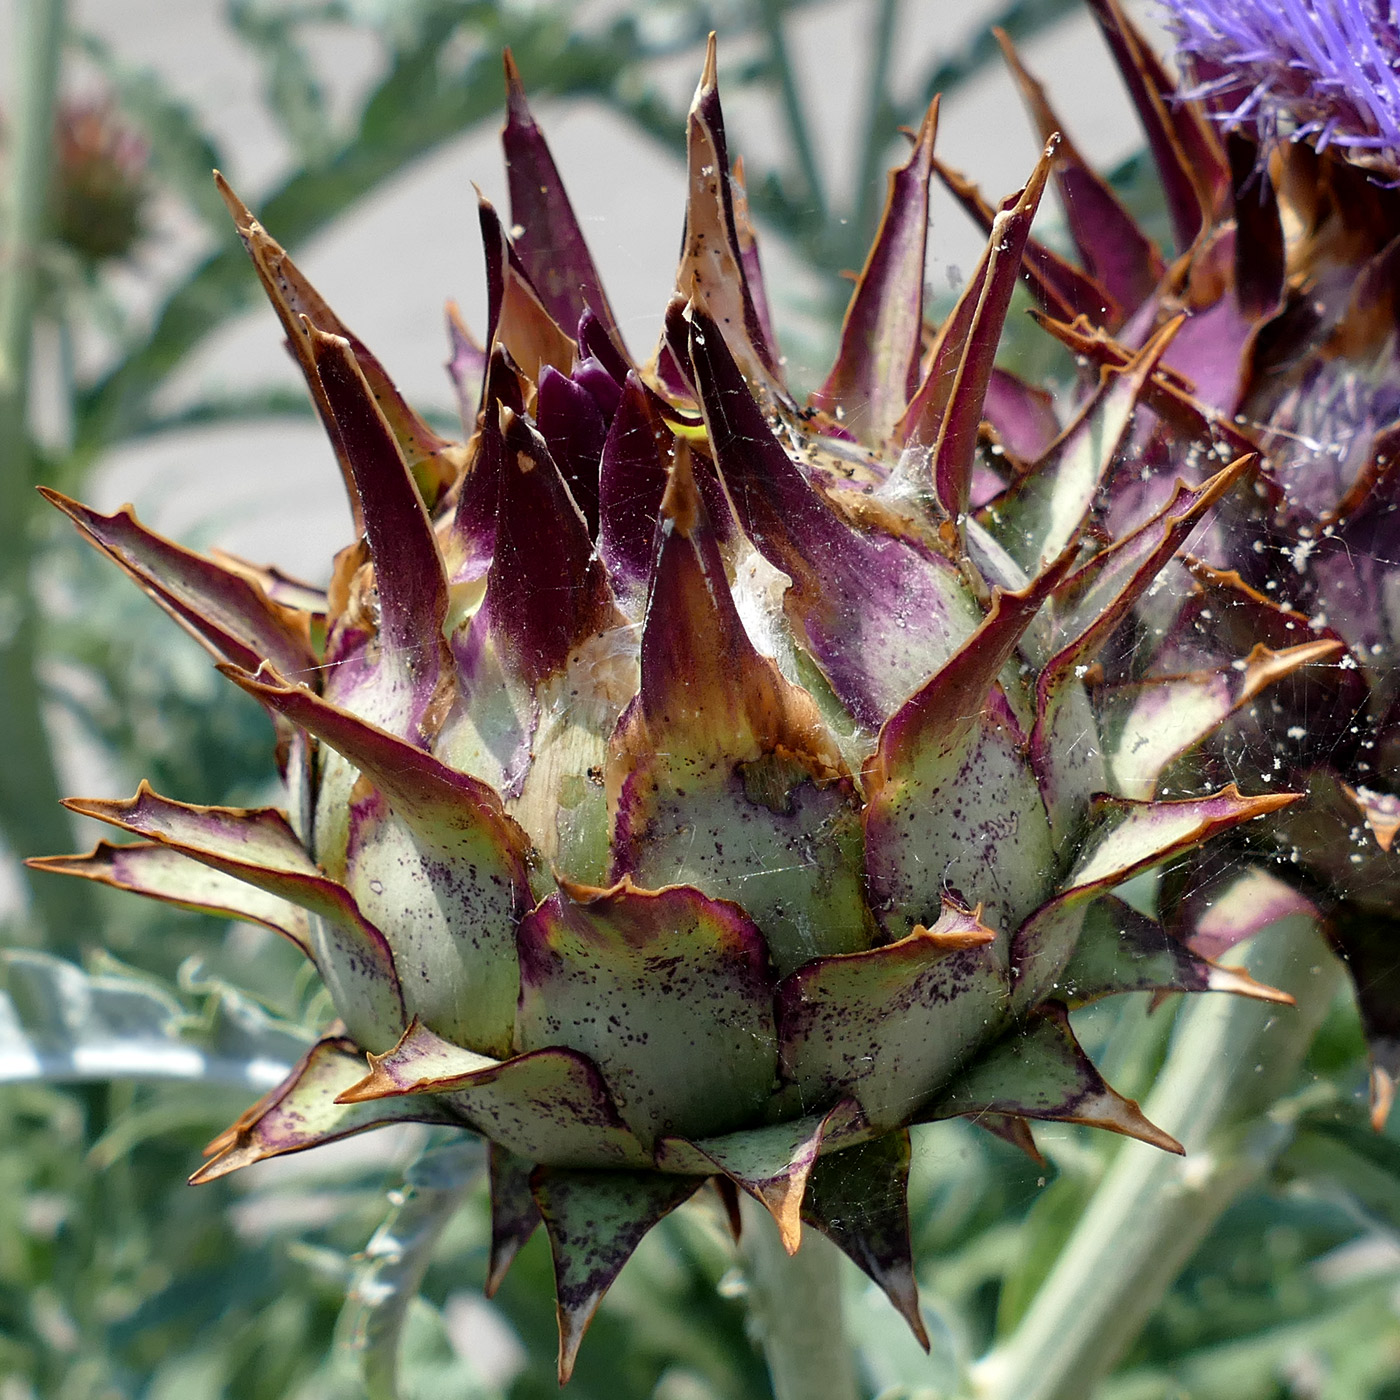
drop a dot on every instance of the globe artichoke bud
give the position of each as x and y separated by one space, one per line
686 783
1278 166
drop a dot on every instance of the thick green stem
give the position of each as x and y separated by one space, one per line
31 820
795 1302
1230 1059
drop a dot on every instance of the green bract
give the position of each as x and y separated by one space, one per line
686 783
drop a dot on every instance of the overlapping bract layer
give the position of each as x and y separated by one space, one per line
686 783
1285 295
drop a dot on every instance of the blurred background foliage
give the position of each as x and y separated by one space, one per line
117 1280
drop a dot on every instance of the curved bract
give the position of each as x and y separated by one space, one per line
691 783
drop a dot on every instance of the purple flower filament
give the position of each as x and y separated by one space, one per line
1323 70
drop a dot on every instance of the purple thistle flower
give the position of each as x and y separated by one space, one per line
1323 70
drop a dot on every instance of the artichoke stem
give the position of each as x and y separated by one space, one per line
795 1307
1230 1059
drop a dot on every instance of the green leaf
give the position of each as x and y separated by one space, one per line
290 87
964 815
514 1214
433 860
397 1256
59 1024
859 1199
773 1163
258 845
548 1105
1130 837
227 611
160 872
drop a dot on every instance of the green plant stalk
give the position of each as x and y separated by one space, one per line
795 1306
31 819
771 12
1230 1059
394 1262
879 125
1021 19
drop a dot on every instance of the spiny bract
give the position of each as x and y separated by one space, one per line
1282 307
686 784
